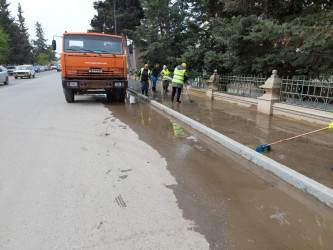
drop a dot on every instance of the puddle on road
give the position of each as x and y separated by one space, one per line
311 155
231 206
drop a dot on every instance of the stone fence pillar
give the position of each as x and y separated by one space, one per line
272 88
213 85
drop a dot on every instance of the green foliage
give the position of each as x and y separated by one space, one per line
51 54
252 37
24 54
41 51
18 38
42 59
311 39
233 36
40 42
128 16
4 47
160 31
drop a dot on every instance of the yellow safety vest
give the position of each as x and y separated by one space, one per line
165 73
178 77
142 71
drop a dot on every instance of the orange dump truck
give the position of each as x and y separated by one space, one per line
93 63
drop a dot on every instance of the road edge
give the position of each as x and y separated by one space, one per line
297 180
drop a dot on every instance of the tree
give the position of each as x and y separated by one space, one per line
233 36
254 37
42 59
128 16
51 54
161 32
40 42
11 28
21 19
4 47
25 54
310 45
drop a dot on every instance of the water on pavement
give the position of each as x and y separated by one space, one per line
311 155
233 203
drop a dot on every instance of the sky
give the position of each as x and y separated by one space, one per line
56 16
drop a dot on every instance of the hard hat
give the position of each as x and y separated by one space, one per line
184 64
164 66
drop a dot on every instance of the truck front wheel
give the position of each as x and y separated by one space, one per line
121 95
69 95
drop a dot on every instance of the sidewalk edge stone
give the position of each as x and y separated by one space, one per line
301 182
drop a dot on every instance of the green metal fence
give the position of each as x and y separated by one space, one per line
241 85
315 94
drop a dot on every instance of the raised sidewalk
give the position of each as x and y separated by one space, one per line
304 163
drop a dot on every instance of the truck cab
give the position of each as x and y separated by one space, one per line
93 63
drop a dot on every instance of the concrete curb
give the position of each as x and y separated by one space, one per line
321 192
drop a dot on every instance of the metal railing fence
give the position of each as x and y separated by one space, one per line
314 94
198 80
241 85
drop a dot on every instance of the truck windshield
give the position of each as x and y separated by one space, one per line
93 44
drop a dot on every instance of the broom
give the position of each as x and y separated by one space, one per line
188 94
267 147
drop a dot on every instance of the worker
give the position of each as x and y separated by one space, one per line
165 73
154 75
179 78
331 125
144 75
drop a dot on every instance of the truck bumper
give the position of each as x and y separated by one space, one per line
80 84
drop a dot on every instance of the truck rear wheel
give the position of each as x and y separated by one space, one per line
69 95
7 81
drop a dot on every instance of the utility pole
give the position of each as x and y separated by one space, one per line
114 15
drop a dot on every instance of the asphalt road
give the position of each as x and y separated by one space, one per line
97 175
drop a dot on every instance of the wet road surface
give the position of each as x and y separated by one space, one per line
97 175
235 204
75 177
311 155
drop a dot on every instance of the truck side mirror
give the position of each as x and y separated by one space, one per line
130 49
54 45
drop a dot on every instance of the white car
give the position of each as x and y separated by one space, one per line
11 69
3 75
24 71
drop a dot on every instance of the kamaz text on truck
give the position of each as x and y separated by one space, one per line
93 63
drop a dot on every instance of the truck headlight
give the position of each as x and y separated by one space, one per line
117 84
72 84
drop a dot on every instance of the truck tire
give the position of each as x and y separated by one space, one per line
29 76
33 76
69 95
121 95
109 97
7 81
15 77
